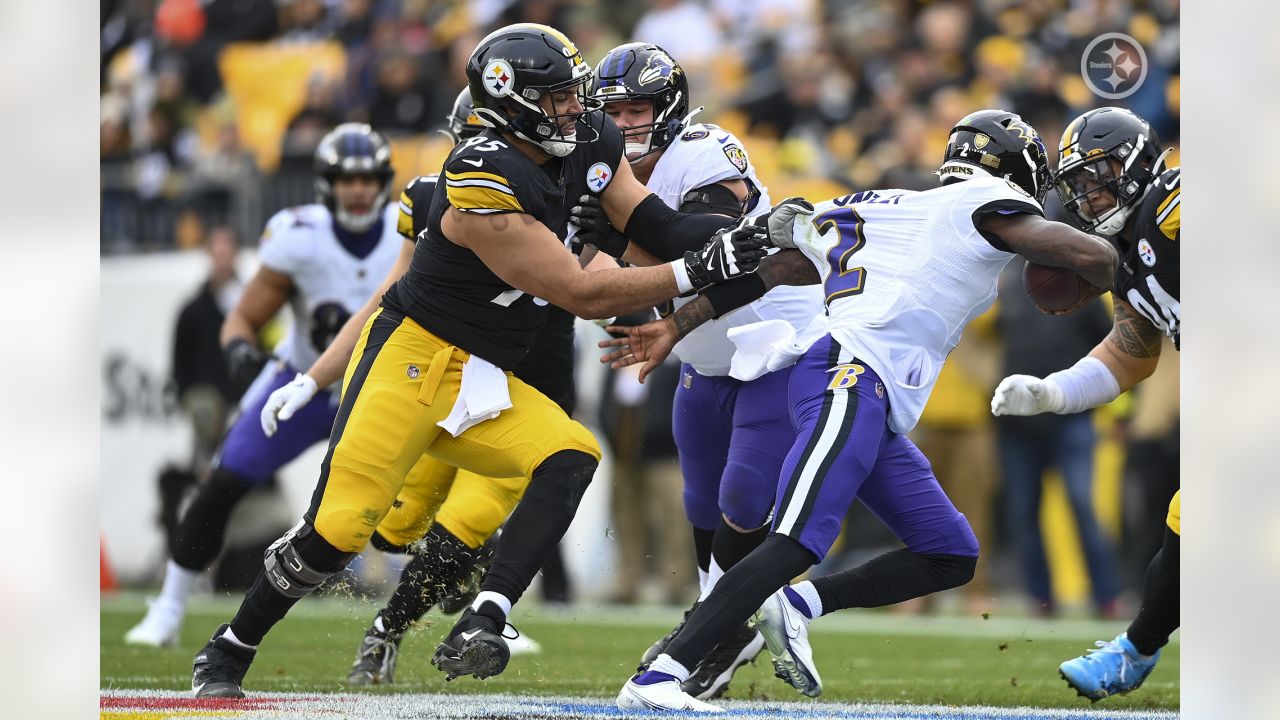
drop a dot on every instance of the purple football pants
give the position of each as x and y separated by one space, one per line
249 453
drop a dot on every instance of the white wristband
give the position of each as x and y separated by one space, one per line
1087 384
683 283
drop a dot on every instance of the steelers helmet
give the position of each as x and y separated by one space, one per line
353 149
462 122
514 68
999 143
643 71
1108 149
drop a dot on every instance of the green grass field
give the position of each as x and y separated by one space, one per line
864 657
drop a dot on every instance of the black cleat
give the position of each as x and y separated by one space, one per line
710 679
462 596
376 658
660 646
474 646
218 669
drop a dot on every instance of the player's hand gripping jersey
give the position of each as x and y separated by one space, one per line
702 155
1148 274
447 289
903 272
330 282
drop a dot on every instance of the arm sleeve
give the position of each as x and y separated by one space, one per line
668 234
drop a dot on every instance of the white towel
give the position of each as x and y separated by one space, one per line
482 396
762 348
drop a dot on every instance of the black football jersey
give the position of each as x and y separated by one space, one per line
550 362
447 289
1148 274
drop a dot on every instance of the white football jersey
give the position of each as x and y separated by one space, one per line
701 155
330 283
903 273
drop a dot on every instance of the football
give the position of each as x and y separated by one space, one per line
1054 289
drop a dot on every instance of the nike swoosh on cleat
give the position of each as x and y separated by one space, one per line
468 635
197 688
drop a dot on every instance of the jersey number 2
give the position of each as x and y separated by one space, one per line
844 280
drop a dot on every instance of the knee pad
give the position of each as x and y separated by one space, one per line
746 496
301 560
952 536
569 471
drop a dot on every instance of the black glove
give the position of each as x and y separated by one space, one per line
778 222
594 227
244 362
732 252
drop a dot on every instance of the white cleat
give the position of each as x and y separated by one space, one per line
661 696
160 628
786 634
522 645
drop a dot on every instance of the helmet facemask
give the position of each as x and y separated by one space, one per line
357 222
526 117
1085 182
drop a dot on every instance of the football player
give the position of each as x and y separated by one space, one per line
1111 175
430 372
902 273
732 436
322 260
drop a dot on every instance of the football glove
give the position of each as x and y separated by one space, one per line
732 252
244 362
286 400
594 228
1026 395
780 221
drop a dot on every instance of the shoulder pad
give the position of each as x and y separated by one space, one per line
477 179
1164 203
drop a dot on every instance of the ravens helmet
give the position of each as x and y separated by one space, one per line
514 69
1107 159
462 120
353 149
642 71
999 143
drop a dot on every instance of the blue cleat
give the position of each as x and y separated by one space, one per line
1115 668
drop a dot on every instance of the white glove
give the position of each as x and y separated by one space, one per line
780 221
1026 395
284 401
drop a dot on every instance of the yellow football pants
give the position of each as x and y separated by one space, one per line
470 506
1174 518
401 381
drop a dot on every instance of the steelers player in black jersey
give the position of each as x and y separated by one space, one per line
1111 175
431 370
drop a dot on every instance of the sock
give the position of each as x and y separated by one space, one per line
1160 613
714 573
177 584
667 665
804 598
230 635
702 582
263 606
503 603
739 593
439 564
702 541
891 578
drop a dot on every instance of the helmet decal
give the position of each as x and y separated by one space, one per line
499 78
659 66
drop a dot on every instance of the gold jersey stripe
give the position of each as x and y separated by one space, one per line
1160 210
406 200
1172 222
477 175
477 197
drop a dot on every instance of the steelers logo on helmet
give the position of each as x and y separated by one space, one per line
598 177
1146 253
499 78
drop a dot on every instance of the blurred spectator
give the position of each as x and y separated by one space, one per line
683 28
405 98
304 21
223 177
1039 344
319 115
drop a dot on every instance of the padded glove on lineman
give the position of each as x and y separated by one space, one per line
594 228
732 252
244 361
780 221
1026 395
284 401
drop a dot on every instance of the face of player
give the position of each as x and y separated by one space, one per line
1091 186
635 119
564 106
356 194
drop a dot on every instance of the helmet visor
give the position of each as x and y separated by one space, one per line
1088 189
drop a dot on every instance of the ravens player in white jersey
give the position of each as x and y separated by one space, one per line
322 260
1111 174
902 273
732 436
431 371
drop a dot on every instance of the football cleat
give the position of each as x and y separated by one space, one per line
659 691
218 669
786 633
457 600
1114 668
475 646
159 628
376 657
660 646
710 679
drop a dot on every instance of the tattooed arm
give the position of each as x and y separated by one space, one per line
1132 350
652 342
